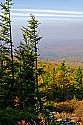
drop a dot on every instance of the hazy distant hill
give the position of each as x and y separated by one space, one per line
57 49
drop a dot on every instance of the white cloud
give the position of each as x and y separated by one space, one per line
63 19
48 11
46 15
49 14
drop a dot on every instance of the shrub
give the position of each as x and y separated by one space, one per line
10 116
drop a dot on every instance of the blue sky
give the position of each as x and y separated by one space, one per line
60 19
64 10
50 4
67 9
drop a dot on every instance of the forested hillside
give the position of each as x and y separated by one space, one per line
61 81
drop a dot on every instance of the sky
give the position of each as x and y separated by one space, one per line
60 19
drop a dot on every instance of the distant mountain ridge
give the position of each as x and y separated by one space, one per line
57 49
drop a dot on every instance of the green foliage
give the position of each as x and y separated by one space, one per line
18 75
30 34
6 49
74 99
63 67
25 74
5 22
61 83
11 116
78 75
26 54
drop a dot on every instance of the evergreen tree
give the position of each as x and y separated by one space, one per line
78 76
27 56
5 32
6 52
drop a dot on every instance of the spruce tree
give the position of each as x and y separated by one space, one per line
5 31
27 56
6 52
